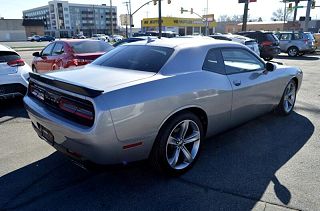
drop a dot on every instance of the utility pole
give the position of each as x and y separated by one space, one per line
295 10
245 15
306 23
130 16
160 20
284 13
207 24
111 17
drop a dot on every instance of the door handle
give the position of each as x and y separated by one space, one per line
237 82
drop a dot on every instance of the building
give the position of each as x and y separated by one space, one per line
12 30
33 26
64 19
181 26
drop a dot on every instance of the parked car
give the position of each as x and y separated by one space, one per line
46 38
34 38
268 43
38 38
250 43
133 39
156 100
168 34
64 54
99 37
296 43
14 73
117 38
79 36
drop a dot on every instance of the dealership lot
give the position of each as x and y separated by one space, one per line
271 163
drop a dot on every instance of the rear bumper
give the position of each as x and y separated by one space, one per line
270 51
97 144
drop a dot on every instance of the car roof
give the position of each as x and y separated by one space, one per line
235 36
6 48
185 43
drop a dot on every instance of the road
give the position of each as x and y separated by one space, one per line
270 163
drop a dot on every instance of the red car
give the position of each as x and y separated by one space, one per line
66 53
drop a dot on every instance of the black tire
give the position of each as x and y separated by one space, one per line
293 51
159 155
281 108
268 58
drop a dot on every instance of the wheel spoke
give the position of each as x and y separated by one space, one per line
290 101
175 158
184 128
194 137
172 141
186 154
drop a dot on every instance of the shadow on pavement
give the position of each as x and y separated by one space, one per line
12 108
232 173
302 58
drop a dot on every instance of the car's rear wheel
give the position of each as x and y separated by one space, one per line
293 51
288 99
177 145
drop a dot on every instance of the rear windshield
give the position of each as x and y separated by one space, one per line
271 37
135 57
7 56
90 46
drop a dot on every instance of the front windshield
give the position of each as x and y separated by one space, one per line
136 57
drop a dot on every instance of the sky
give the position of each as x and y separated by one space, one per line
12 9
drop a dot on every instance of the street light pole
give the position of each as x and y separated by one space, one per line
306 22
207 24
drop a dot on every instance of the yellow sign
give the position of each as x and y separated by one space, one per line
176 22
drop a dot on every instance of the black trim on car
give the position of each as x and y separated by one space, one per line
85 91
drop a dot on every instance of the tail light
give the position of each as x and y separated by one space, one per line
266 43
77 62
16 63
78 109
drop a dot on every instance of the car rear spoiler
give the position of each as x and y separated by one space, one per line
85 91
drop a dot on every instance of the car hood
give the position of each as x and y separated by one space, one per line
98 77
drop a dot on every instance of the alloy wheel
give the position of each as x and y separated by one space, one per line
289 97
183 144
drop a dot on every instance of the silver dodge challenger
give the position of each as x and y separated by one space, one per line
156 100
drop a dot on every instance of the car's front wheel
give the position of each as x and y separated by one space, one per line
177 145
288 99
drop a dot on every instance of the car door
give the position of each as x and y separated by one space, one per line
252 85
43 62
285 41
57 56
219 96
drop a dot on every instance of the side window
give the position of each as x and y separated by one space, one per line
240 60
297 36
213 62
47 50
58 49
285 37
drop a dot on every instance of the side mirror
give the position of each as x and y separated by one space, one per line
270 67
36 54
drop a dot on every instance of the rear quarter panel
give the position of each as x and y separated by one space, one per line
140 110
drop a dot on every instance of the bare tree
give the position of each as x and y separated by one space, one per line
278 15
224 18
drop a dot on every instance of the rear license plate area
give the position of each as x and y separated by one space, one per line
44 133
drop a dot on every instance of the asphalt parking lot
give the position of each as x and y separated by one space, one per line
270 163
